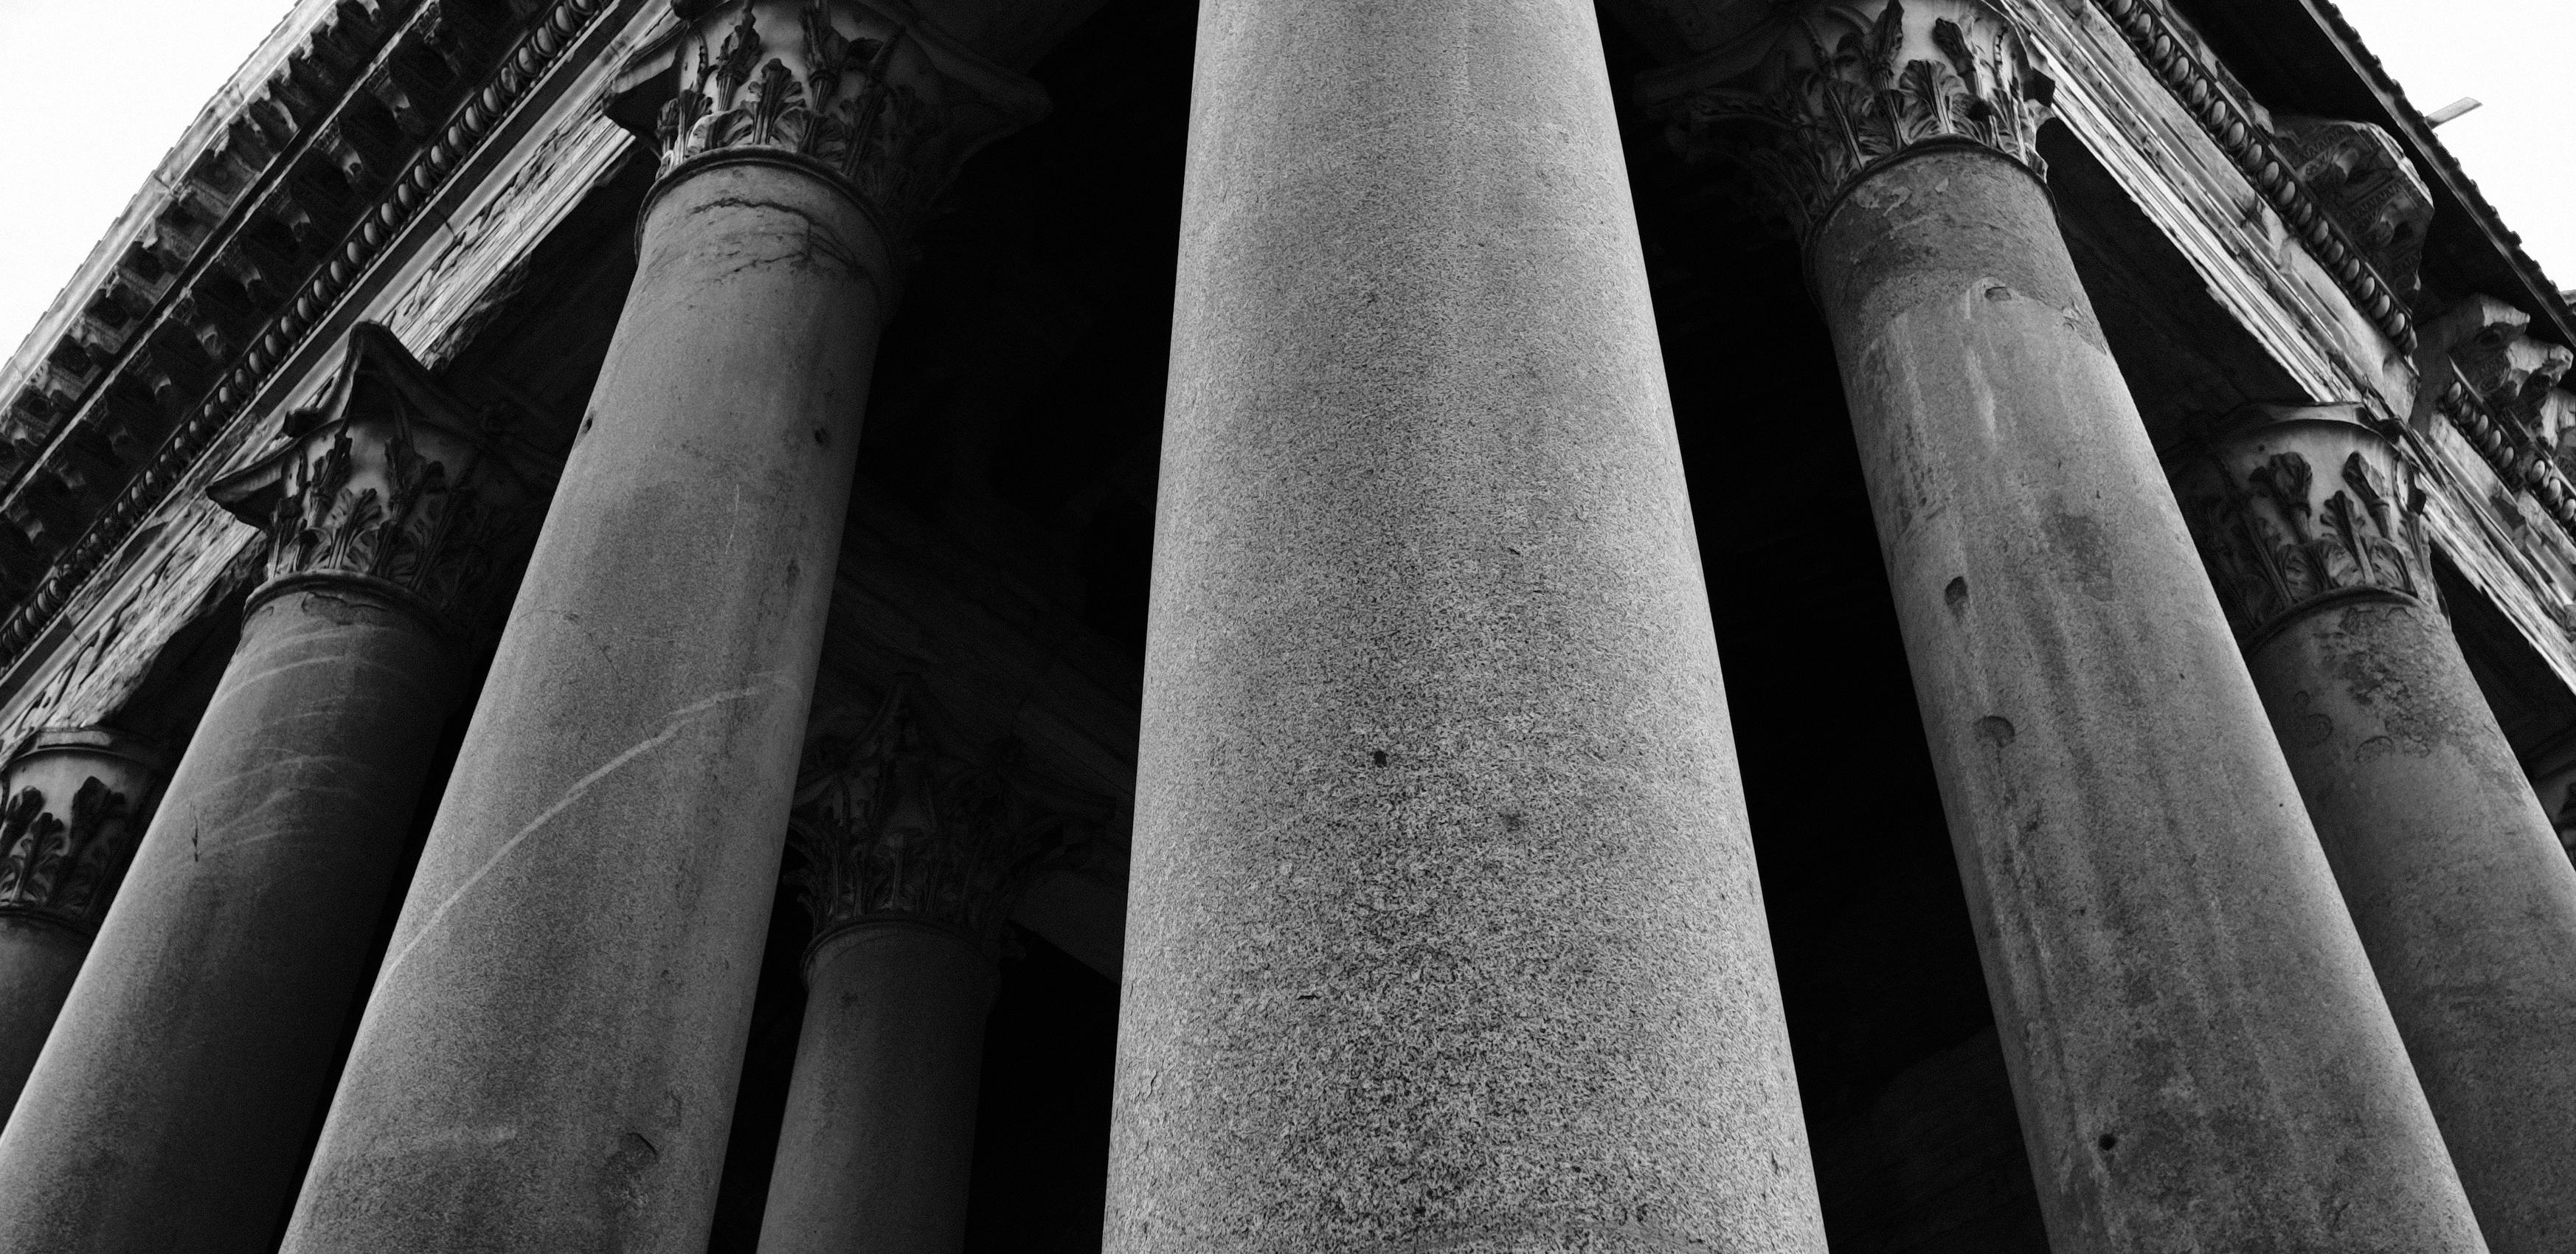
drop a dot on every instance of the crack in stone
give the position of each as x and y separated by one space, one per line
671 727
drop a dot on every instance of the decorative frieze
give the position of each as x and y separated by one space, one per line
2487 340
2497 386
882 105
389 483
1821 93
891 826
2298 507
2369 186
2258 155
208 393
72 808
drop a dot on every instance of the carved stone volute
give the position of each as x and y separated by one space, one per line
891 827
388 484
2299 507
2369 186
1821 92
879 103
73 806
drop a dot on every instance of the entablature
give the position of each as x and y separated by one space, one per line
290 204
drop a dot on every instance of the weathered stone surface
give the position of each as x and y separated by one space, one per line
174 1105
38 962
72 808
196 1057
549 1059
912 856
2201 1055
2453 872
880 1132
1444 930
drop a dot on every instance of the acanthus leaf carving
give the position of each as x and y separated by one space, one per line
388 482
1826 91
886 108
72 810
890 825
2279 538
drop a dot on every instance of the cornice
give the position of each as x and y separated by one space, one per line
382 135
2553 303
2214 102
2256 153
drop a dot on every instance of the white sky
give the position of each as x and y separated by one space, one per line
85 131
2512 54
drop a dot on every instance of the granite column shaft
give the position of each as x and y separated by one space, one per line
549 1059
1444 928
880 1131
2453 872
910 857
176 1100
2199 1051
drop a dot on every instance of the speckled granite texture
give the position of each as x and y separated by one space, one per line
173 1110
549 1060
1444 931
2456 879
2202 1059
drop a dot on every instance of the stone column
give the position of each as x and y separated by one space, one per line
549 1059
72 806
2200 1054
2313 531
910 859
174 1104
1444 929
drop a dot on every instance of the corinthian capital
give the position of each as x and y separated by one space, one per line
856 92
1819 92
388 484
891 826
72 808
2295 508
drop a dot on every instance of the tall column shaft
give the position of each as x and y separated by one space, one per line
1444 929
176 1099
2201 1058
549 1059
2199 1051
72 807
38 962
910 858
880 1130
173 1107
2452 870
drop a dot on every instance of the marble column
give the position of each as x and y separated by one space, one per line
549 1058
2313 531
1444 930
72 806
910 860
173 1106
2201 1057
